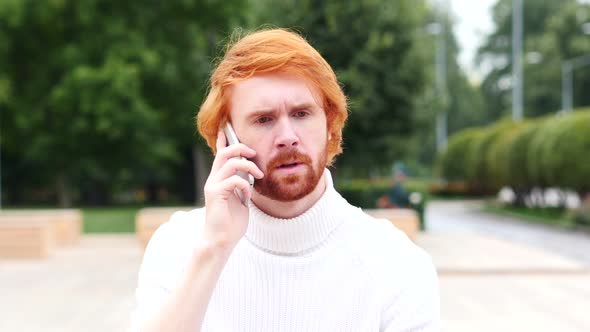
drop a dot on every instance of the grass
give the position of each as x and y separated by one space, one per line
549 216
109 220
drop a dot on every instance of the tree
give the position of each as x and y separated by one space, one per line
96 92
373 47
552 33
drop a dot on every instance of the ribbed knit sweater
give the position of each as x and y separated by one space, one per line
333 268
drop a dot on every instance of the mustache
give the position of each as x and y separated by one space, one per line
288 156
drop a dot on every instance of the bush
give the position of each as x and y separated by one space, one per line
451 164
567 153
548 151
538 152
519 174
479 172
498 156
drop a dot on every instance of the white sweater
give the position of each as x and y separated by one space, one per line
333 268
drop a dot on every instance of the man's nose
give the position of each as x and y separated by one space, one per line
286 134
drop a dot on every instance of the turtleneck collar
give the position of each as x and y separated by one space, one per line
301 234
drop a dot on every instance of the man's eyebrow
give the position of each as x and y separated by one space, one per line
304 105
261 112
271 111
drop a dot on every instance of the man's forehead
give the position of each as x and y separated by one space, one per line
270 91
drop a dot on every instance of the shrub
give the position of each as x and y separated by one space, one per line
566 153
451 164
498 156
519 174
479 170
538 152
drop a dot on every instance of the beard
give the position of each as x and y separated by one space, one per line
290 187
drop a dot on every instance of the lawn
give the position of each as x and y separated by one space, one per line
109 220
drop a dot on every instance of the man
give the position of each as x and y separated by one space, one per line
396 196
296 256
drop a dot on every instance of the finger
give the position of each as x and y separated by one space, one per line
226 153
219 145
232 166
228 186
221 140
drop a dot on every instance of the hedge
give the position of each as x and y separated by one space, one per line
544 152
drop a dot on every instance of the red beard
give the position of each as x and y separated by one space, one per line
290 187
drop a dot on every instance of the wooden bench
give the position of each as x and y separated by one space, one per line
148 220
67 222
23 236
406 220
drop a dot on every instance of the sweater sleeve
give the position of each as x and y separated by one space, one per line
164 260
416 307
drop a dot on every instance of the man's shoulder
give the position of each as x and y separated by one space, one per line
379 241
180 229
392 260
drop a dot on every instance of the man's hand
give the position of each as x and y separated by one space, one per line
226 218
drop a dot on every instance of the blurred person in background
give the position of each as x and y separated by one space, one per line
294 255
396 196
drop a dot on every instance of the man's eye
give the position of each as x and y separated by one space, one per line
263 119
300 114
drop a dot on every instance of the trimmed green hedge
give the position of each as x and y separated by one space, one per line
545 152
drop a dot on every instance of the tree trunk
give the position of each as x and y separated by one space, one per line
200 174
64 196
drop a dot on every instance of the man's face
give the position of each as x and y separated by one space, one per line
282 119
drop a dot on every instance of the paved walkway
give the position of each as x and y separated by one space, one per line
501 274
496 274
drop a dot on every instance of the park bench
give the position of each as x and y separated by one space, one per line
23 236
148 220
35 233
406 220
66 222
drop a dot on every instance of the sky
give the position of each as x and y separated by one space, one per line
473 20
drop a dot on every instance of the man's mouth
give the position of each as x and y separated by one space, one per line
289 165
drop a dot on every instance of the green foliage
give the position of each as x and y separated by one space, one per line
567 153
481 159
375 48
552 33
498 156
517 172
452 162
92 91
551 151
539 152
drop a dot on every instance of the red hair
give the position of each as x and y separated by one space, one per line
273 51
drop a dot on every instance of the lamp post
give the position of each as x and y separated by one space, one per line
517 112
438 29
567 80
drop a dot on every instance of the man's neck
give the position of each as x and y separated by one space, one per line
288 210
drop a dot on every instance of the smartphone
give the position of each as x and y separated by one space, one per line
232 138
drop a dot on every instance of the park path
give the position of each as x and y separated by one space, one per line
503 274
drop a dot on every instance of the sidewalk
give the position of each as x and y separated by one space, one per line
490 281
501 274
88 287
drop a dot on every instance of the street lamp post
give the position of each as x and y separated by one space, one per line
567 80
517 112
438 29
441 87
